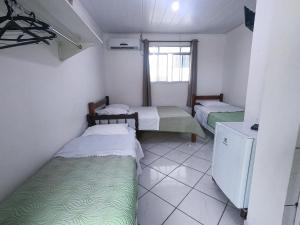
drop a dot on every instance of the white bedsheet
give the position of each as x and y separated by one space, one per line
104 145
148 117
202 112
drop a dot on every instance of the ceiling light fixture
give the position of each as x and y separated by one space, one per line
175 6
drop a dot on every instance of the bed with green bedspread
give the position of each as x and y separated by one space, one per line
89 191
215 117
175 119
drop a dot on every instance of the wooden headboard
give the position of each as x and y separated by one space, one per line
93 118
205 97
94 105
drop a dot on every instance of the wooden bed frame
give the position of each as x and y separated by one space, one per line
204 97
94 105
93 118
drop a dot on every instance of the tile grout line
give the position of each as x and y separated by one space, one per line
184 196
180 164
223 213
167 175
183 200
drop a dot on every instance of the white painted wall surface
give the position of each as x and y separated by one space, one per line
43 104
258 66
275 57
236 65
123 71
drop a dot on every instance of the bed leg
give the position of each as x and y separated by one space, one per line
194 138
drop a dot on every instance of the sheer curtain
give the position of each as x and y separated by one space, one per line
146 76
192 88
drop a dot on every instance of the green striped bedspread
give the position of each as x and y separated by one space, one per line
84 191
175 119
215 117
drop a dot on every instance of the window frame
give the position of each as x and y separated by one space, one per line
167 54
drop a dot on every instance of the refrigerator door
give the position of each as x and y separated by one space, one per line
231 160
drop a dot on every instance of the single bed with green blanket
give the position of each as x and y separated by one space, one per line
215 117
73 191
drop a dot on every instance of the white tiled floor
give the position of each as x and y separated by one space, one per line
176 187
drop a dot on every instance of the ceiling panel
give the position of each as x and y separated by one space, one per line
193 16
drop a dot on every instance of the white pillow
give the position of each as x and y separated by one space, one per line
111 111
119 106
212 103
107 129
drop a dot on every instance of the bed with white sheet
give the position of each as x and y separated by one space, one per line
209 110
152 118
91 180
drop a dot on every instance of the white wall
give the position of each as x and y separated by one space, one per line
257 69
275 58
124 71
43 105
236 65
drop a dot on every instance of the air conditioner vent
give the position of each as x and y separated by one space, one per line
126 44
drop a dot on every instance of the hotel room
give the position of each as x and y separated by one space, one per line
147 112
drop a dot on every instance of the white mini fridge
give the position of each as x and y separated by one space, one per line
233 158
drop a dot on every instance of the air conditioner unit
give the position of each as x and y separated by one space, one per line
127 43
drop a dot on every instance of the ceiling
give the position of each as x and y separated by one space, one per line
157 16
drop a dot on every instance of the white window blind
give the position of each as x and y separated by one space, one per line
169 64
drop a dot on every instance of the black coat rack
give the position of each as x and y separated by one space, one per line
18 30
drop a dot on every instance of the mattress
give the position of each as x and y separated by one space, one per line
215 117
89 191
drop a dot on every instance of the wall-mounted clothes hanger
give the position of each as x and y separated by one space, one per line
22 30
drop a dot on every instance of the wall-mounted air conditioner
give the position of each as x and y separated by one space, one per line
125 43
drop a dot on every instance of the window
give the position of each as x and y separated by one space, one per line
169 64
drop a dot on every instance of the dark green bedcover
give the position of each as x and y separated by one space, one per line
89 191
175 119
215 117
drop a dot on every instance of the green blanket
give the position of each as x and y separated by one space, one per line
175 119
89 191
215 117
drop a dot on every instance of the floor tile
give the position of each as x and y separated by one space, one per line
198 164
171 190
231 217
208 186
209 172
143 165
204 153
231 204
152 210
172 143
177 156
150 177
141 191
160 150
189 148
186 175
203 208
179 218
164 165
149 158
208 146
147 146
